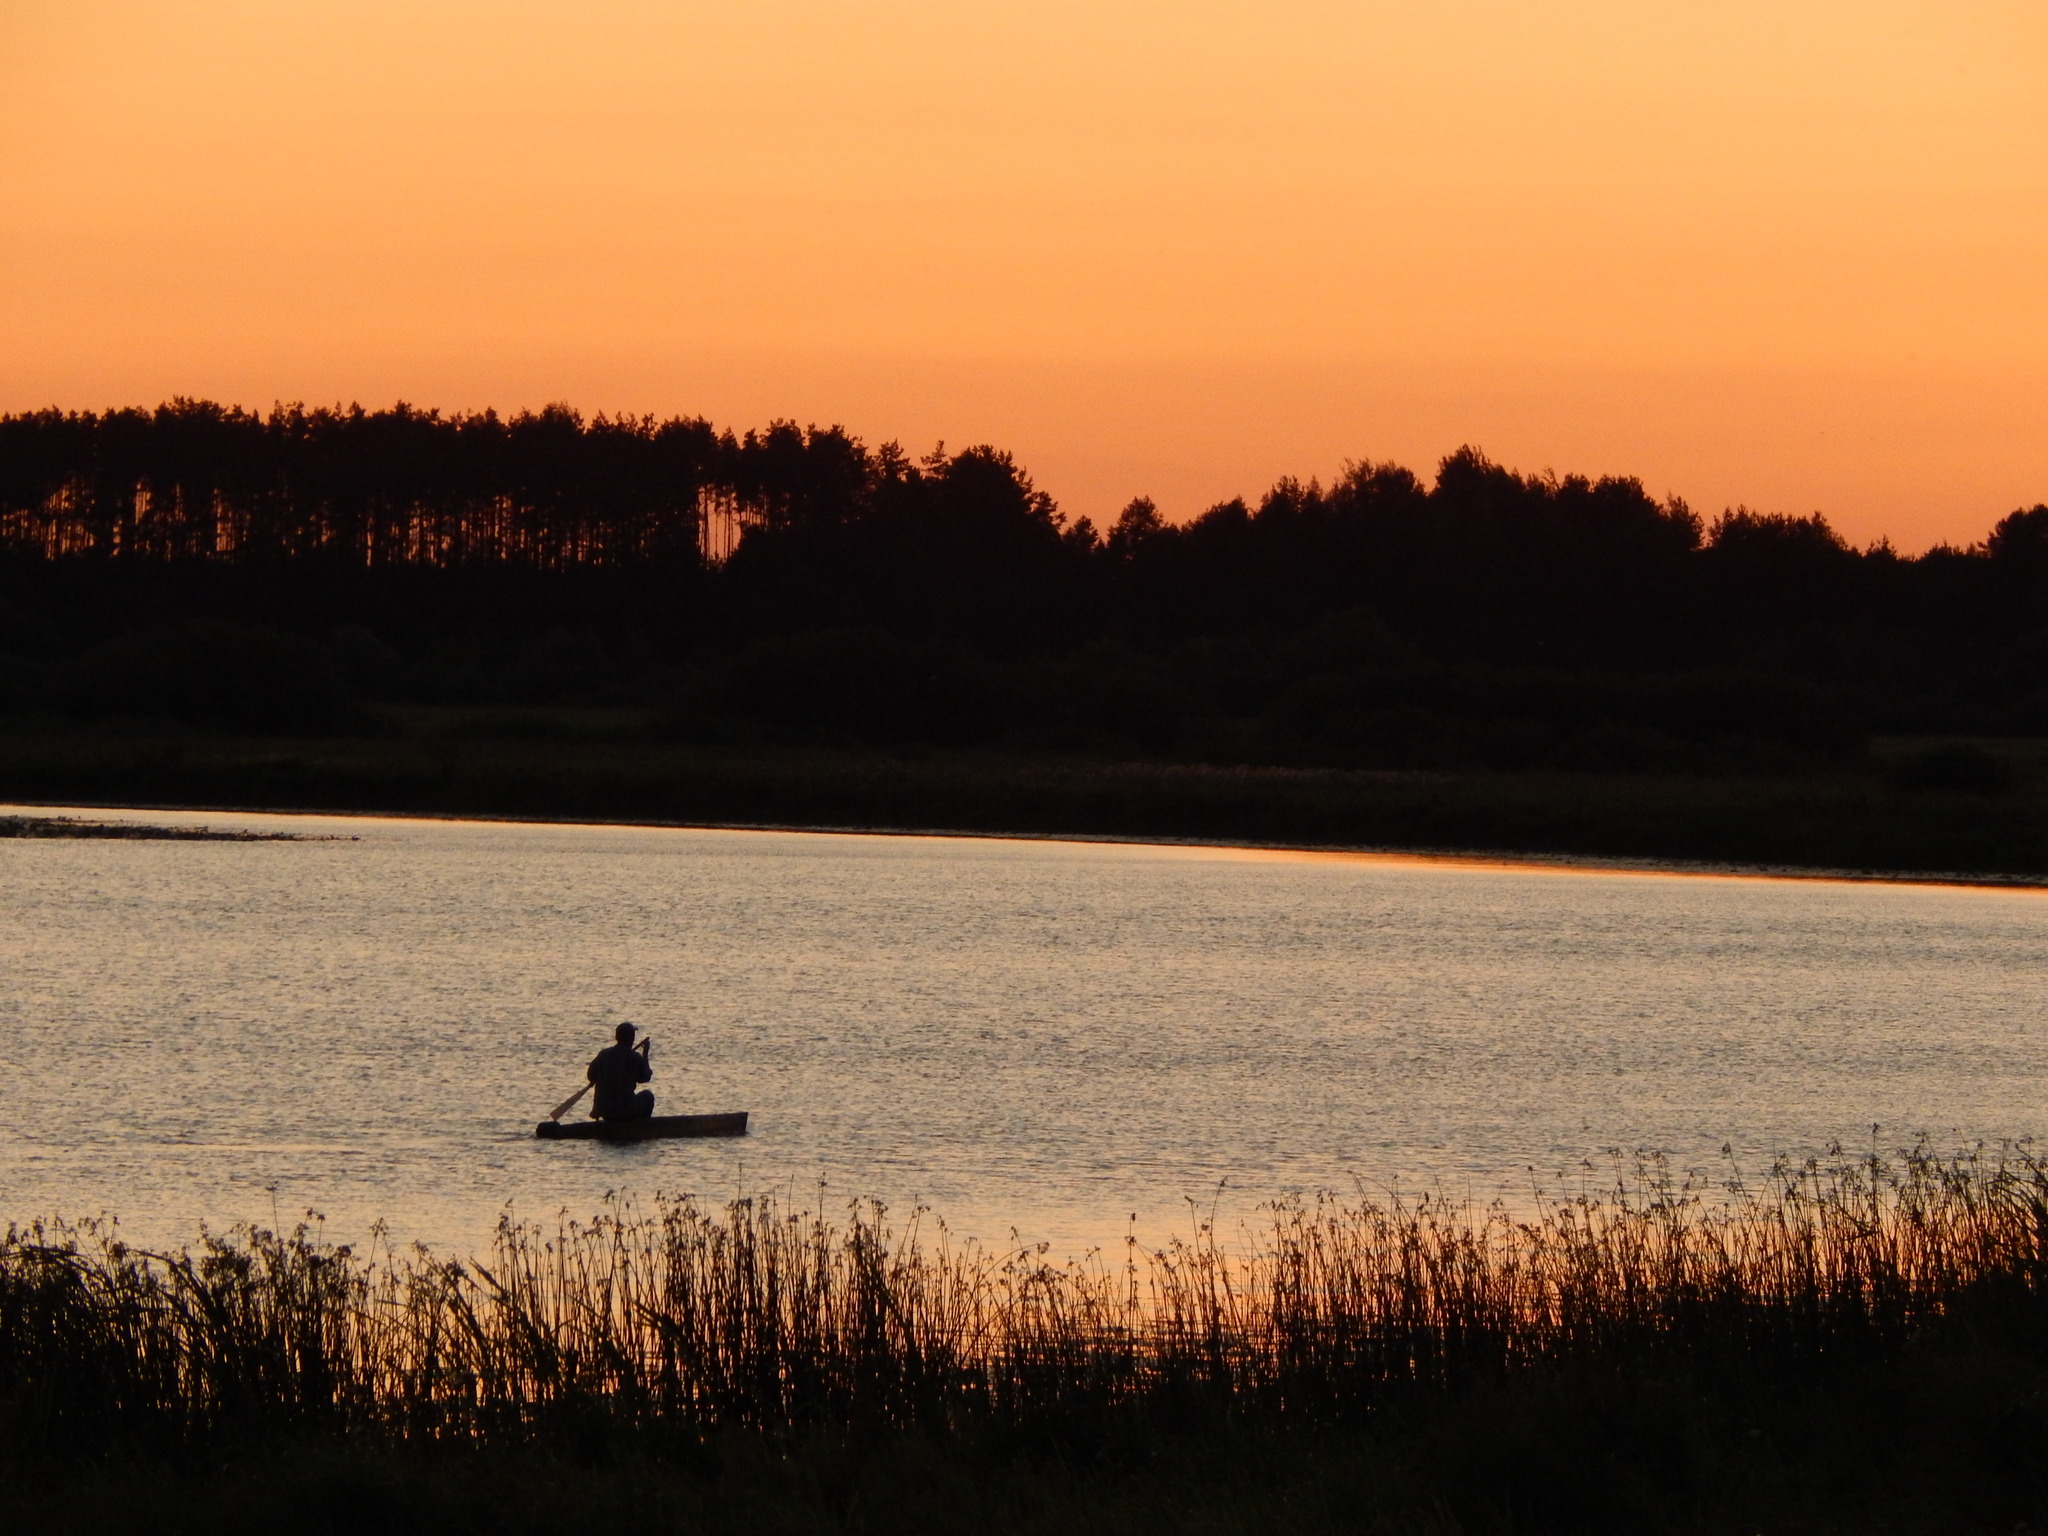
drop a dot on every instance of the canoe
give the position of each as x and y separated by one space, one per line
654 1128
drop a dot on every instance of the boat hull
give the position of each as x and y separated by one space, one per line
654 1128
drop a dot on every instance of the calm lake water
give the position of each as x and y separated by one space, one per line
1049 1037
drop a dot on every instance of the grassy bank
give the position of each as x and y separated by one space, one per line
1861 1346
1917 805
1915 1454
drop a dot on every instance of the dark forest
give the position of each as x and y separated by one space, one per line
322 572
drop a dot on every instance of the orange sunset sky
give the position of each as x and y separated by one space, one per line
1793 254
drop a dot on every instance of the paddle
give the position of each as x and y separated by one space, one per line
569 1103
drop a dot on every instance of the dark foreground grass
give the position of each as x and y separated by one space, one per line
1861 1346
1909 809
1601 1459
1948 1443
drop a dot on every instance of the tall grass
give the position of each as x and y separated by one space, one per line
686 1320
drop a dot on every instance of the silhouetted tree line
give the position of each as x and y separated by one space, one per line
295 571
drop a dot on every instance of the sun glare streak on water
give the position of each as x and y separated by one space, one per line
1039 1036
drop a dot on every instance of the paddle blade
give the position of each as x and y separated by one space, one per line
568 1104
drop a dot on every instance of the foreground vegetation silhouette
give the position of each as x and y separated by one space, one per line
1415 1361
399 575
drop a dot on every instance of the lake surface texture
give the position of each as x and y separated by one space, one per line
1050 1037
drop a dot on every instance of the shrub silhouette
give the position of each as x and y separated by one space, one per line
210 674
1959 769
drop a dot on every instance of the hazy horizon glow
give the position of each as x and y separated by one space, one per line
1784 254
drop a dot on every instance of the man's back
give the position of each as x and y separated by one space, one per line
616 1071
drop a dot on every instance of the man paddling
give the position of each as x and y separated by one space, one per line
615 1072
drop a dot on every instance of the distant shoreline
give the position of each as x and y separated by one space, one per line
63 824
